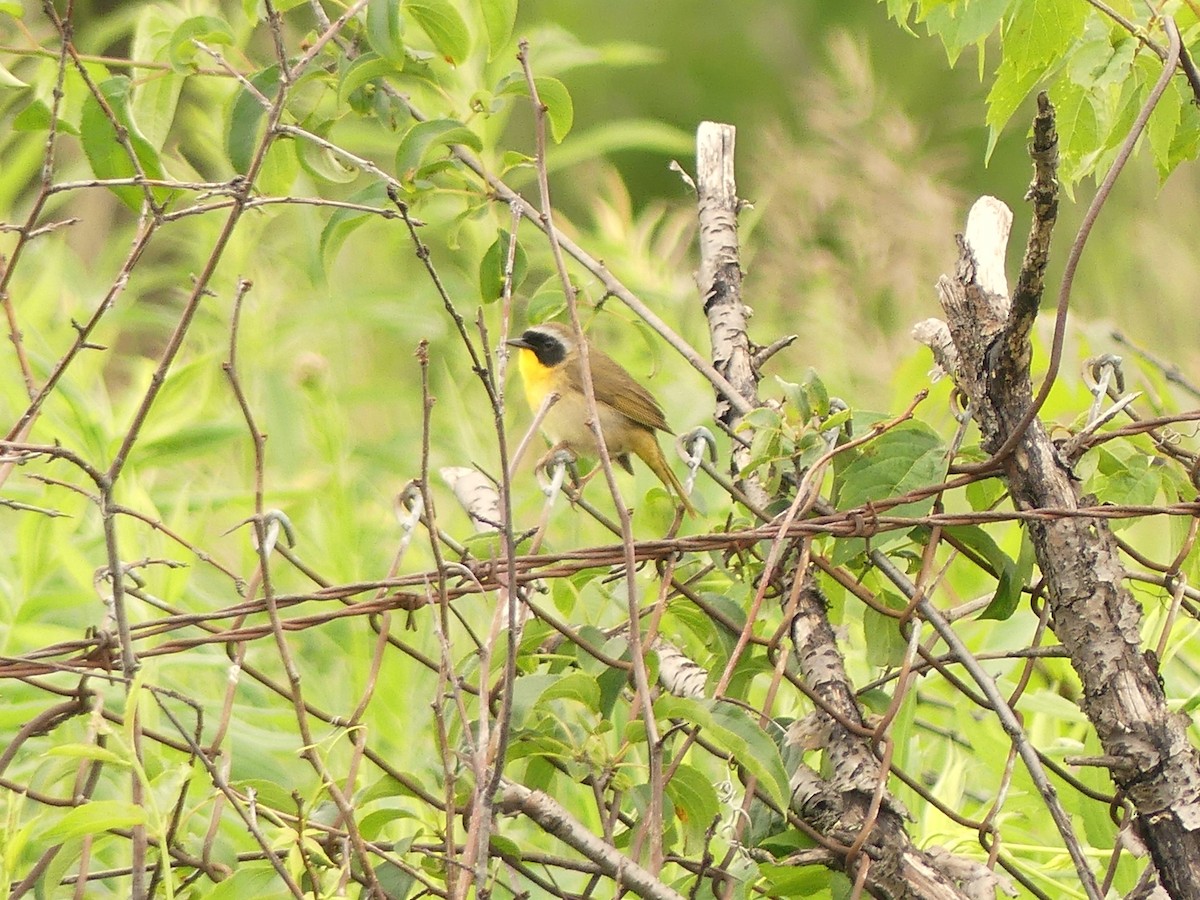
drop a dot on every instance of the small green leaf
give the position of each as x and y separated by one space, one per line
368 67
94 818
909 456
499 18
190 441
248 880
885 645
694 798
732 729
107 156
1011 575
985 493
1011 87
444 26
88 751
385 29
1126 476
209 30
395 881
14 8
373 823
424 136
1078 126
577 686
491 268
155 95
9 80
559 108
1164 122
960 27
344 221
547 304
801 881
1039 31
247 118
321 162
553 95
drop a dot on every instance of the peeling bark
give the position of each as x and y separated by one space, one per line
841 807
720 282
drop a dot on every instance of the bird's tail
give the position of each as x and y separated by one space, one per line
658 465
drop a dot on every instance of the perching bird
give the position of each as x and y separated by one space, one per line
629 414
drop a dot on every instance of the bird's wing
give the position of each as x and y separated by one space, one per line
617 388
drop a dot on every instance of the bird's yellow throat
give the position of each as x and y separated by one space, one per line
539 380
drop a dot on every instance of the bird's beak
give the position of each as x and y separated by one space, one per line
519 342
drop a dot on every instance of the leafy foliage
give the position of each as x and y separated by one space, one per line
1098 67
276 210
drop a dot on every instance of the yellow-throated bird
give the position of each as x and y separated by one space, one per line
629 414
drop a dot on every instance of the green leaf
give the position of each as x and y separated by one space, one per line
795 881
155 94
1011 575
961 25
9 80
248 880
1011 87
553 95
14 8
279 169
734 731
909 456
491 268
385 29
343 222
1164 123
247 118
1042 30
577 686
368 67
985 493
88 751
547 303
93 818
886 647
424 137
106 155
898 461
694 798
209 30
559 108
372 824
322 163
395 881
444 26
190 441
1078 125
1186 144
499 18
1126 476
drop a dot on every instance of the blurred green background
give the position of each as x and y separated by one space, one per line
862 150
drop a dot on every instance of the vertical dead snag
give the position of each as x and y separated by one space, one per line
1094 615
720 282
852 807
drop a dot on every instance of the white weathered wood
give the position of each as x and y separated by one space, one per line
988 226
476 494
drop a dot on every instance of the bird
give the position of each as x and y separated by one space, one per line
549 361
